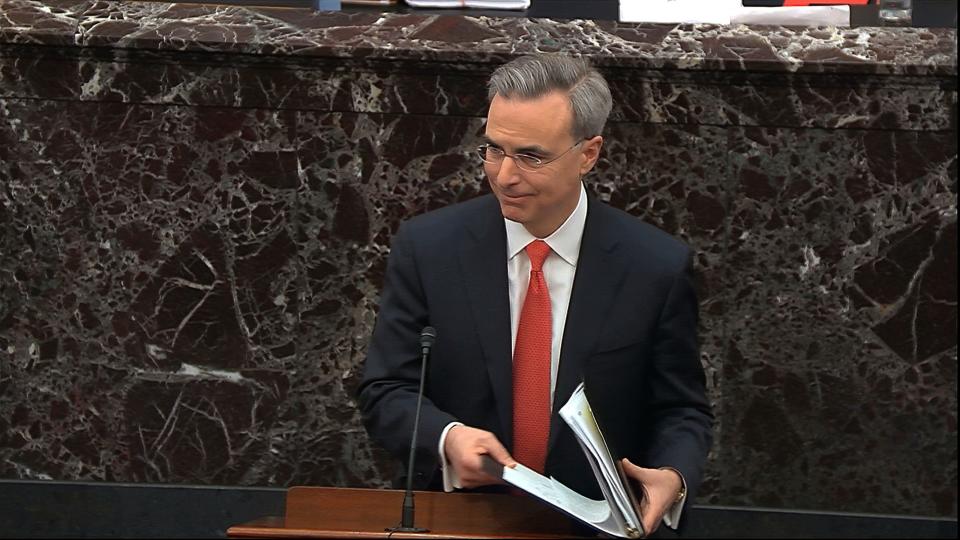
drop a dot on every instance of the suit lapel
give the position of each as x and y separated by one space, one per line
599 277
484 266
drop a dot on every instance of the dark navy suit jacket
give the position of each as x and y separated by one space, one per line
631 328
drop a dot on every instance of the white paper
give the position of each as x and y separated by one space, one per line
597 513
794 16
615 514
480 4
556 493
730 12
577 414
678 11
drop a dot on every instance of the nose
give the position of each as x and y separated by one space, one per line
508 173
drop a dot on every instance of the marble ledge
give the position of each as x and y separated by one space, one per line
441 38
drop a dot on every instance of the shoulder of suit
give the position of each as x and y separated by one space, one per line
644 240
451 219
449 223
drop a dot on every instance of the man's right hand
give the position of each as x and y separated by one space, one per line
465 447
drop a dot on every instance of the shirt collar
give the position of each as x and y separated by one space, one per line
565 241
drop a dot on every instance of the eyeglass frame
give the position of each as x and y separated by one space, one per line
520 163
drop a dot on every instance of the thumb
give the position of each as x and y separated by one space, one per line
633 470
500 454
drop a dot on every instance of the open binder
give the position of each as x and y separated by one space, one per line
618 513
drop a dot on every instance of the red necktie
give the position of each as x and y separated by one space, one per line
531 367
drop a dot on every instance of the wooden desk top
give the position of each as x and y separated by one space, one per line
365 514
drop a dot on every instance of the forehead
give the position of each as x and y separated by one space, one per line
515 123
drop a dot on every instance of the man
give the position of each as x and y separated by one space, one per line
529 288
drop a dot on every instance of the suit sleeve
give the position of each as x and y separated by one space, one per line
388 390
681 420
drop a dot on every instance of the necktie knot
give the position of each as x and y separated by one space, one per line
537 251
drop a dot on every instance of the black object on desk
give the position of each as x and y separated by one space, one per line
575 9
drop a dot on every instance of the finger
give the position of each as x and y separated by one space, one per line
497 451
470 476
650 525
650 516
653 516
646 518
481 469
471 483
487 471
477 479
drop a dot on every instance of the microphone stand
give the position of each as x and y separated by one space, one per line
427 336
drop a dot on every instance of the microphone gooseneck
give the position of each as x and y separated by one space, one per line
427 337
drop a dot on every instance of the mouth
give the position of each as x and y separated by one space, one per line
513 197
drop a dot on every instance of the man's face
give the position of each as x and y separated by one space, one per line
543 199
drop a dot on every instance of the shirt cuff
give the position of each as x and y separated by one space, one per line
672 516
450 479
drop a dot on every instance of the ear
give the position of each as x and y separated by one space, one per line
590 154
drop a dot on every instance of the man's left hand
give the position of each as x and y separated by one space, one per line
659 488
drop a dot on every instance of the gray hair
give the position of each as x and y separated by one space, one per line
531 77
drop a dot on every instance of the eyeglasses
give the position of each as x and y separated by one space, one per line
494 156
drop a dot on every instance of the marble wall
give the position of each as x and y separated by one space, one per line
196 205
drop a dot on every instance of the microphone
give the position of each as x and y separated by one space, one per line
427 336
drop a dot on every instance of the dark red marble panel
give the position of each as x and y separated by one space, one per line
216 268
842 352
40 23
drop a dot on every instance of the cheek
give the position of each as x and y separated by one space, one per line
490 171
562 189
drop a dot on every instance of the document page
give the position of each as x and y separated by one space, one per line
557 494
578 415
598 514
617 513
678 11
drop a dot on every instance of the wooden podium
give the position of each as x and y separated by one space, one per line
316 512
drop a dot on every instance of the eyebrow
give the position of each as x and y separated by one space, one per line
534 149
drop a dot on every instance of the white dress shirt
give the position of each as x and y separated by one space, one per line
559 270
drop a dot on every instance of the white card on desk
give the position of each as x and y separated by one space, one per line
730 12
678 11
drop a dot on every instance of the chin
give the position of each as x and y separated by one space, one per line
512 213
